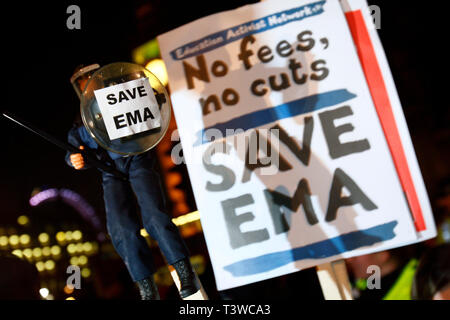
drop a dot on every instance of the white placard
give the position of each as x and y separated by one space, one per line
128 108
332 190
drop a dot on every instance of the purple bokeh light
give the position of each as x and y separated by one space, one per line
76 201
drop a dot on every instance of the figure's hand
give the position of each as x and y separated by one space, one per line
77 160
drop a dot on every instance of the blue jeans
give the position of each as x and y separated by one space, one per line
123 221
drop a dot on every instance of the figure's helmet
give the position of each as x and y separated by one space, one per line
124 107
81 76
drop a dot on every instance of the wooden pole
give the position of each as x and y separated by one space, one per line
334 281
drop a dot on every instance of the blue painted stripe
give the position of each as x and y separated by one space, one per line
319 250
287 110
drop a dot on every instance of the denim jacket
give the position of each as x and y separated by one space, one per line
78 136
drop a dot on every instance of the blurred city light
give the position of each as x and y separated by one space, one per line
40 266
3 241
44 238
68 289
24 239
87 247
74 261
179 221
56 250
49 265
71 248
158 68
60 236
186 218
82 260
146 51
68 235
46 251
79 247
14 240
23 220
85 272
44 292
37 252
77 235
17 253
28 253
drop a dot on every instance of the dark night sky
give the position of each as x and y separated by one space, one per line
42 53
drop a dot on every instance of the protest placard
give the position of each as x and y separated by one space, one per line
289 160
128 108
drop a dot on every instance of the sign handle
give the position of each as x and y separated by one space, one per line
334 280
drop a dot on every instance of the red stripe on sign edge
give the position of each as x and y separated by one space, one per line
380 97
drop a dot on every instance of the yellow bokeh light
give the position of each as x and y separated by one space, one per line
3 241
60 236
74 261
46 251
24 239
70 298
28 253
56 250
23 220
40 266
85 272
14 240
37 252
82 260
49 264
158 68
71 248
17 253
68 235
186 218
77 235
79 247
43 238
87 247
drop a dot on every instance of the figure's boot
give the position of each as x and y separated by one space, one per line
148 289
188 281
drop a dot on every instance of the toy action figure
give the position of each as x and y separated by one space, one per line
123 221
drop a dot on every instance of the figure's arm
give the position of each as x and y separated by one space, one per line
75 160
78 137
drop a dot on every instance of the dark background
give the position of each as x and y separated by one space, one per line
40 54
